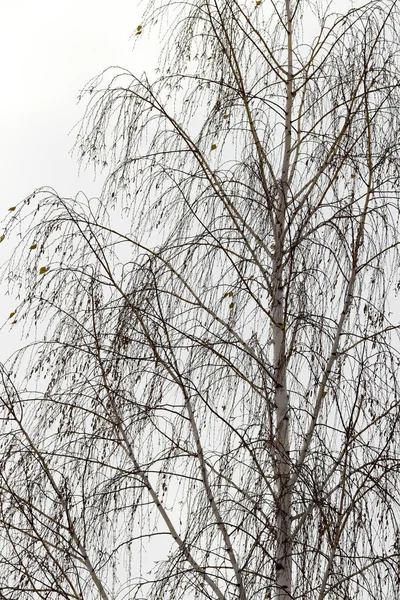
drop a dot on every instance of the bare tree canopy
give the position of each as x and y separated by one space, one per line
214 369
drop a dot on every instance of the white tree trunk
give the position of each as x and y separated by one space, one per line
283 551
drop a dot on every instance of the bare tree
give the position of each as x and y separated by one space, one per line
215 366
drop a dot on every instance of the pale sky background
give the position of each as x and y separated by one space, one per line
48 50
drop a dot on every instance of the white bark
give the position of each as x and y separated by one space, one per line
283 552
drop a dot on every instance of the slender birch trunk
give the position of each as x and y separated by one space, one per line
283 552
283 558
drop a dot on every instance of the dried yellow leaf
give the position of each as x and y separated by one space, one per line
12 208
11 315
2 237
33 247
43 270
213 146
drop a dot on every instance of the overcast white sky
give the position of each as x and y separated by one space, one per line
48 50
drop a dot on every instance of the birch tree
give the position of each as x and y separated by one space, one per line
208 405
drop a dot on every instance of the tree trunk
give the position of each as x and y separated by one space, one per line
283 551
283 558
